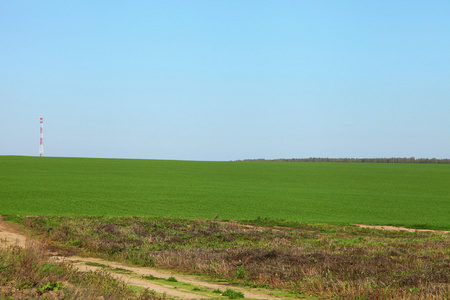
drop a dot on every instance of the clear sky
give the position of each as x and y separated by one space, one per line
225 80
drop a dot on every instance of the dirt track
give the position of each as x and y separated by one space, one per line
10 234
394 228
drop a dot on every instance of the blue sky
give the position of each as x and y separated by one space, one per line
225 80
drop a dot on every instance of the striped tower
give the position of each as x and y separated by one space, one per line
41 140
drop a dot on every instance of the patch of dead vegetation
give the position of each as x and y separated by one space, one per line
344 262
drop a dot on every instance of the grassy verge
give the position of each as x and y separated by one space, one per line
327 261
28 274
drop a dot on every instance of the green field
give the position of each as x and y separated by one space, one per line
414 195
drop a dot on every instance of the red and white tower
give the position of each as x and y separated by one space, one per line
41 142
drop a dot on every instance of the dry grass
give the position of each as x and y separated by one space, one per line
27 273
341 262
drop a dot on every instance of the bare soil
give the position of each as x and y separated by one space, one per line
11 235
395 228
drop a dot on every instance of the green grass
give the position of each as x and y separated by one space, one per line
232 294
94 264
414 195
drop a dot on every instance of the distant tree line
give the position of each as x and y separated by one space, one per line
392 160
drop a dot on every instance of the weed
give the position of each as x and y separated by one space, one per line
215 264
232 294
240 273
172 279
51 286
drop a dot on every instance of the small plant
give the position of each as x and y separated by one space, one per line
213 223
232 294
51 286
172 279
196 289
240 273
217 291
214 264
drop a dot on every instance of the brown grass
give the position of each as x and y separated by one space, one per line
342 262
27 273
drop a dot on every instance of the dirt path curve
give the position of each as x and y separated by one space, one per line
130 278
10 234
135 275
